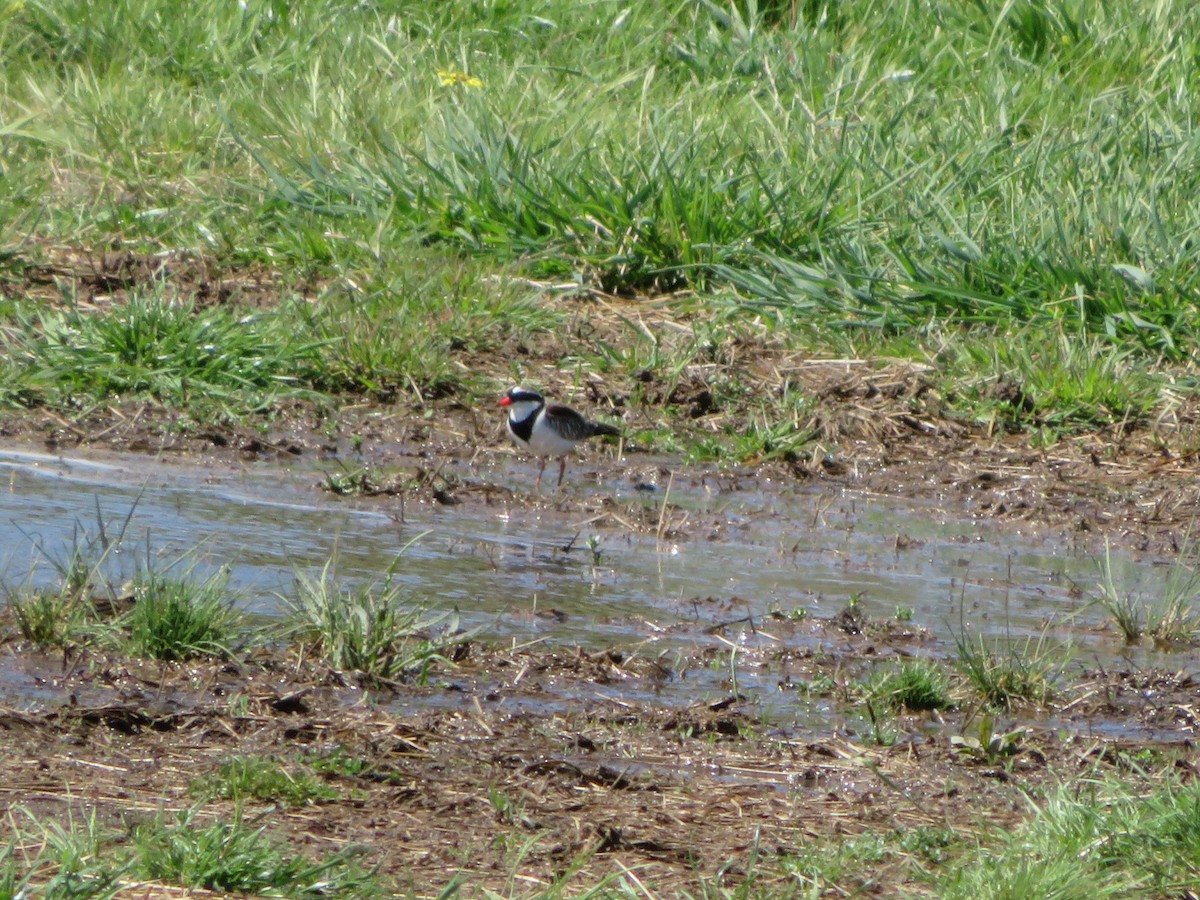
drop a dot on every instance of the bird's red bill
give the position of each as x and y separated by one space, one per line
506 401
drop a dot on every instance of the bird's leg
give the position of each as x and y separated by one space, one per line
542 468
562 467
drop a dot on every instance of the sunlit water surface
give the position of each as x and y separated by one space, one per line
744 555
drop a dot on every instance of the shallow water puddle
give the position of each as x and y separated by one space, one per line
754 557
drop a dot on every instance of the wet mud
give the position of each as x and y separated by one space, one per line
877 425
550 763
484 771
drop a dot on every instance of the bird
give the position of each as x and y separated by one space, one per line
547 430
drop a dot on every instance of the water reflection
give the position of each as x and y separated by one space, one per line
780 550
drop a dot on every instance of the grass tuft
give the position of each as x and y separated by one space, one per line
61 860
168 350
1169 620
249 778
912 684
79 606
47 618
177 618
233 857
1004 674
372 630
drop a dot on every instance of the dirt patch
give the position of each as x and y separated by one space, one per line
1138 491
485 784
103 278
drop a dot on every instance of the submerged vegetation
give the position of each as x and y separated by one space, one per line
1169 618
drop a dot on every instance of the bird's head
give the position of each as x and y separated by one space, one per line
520 402
515 395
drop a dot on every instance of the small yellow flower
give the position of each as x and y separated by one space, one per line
451 77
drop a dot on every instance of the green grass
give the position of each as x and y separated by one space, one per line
1168 619
249 778
234 857
1007 672
1093 839
60 860
832 865
394 330
374 630
176 617
218 364
1003 190
85 859
337 761
376 339
1050 380
47 618
155 346
911 684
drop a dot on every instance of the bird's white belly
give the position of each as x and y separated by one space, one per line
545 441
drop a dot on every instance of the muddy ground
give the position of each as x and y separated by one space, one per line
879 425
470 777
485 786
